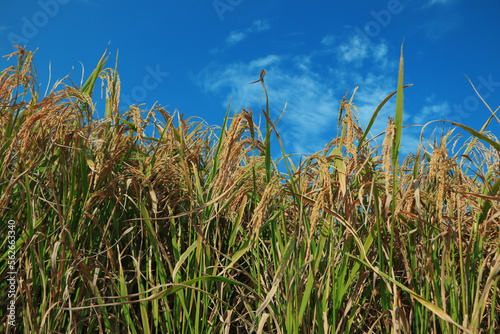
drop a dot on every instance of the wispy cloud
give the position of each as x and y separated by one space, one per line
441 20
353 51
260 25
431 3
235 37
312 92
438 27
380 53
238 36
328 40
433 111
310 108
356 50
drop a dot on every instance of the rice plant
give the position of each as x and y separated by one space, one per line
196 230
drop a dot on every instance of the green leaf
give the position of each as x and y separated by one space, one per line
306 296
478 135
183 258
399 111
88 87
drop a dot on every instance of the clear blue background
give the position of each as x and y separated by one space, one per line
206 53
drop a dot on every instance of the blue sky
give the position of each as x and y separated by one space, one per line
195 56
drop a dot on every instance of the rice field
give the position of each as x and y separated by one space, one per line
196 230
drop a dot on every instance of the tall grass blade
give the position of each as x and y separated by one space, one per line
399 112
374 116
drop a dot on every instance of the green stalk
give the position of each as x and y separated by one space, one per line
395 149
267 141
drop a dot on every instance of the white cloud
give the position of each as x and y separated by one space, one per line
380 52
328 40
234 79
310 110
302 62
312 91
439 26
355 50
259 25
431 3
434 112
235 37
442 19
238 36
